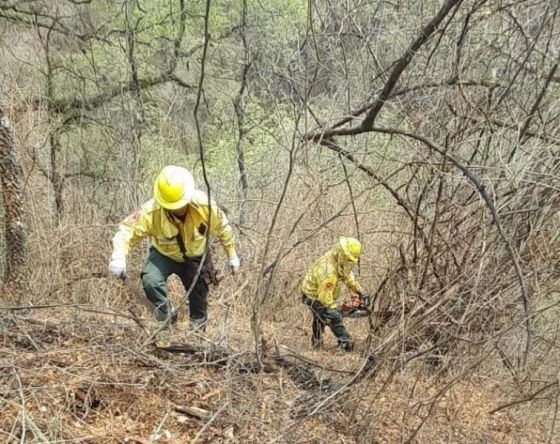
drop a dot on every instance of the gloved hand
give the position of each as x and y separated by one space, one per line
117 267
233 262
355 302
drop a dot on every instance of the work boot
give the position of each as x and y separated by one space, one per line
171 317
198 326
346 344
195 332
162 338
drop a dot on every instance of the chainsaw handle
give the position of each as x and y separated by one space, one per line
366 300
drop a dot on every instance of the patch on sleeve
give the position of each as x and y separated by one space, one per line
202 229
329 284
134 217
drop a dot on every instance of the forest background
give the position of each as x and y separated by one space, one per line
429 130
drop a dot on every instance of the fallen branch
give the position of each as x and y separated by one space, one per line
300 369
195 412
220 358
527 399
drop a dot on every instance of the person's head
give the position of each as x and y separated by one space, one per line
174 188
349 249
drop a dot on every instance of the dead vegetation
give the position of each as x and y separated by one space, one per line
88 378
428 129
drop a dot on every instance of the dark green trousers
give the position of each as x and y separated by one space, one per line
154 280
325 316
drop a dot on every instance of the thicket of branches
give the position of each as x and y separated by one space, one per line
427 129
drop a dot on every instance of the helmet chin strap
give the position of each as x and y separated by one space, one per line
179 211
177 215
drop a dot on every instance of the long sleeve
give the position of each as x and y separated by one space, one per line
350 280
221 228
131 231
219 223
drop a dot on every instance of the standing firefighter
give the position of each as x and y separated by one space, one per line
178 221
320 290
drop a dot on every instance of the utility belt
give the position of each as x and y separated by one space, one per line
310 301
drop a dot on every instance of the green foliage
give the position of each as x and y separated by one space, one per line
156 127
260 146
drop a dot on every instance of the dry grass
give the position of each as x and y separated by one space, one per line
71 376
459 223
79 374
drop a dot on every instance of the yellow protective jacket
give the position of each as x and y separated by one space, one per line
321 280
153 221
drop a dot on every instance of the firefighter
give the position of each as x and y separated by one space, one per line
178 221
320 290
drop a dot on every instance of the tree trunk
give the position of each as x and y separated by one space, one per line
15 225
240 114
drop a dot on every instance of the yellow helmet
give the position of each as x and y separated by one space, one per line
174 187
351 248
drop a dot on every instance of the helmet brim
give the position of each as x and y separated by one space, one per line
171 205
348 254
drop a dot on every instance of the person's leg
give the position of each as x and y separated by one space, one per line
334 319
318 326
154 277
198 296
318 329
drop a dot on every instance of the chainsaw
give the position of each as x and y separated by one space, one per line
356 307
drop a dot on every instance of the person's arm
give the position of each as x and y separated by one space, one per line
350 280
130 232
221 228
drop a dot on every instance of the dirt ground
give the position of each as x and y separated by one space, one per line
90 378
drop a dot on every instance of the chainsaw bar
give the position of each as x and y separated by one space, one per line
357 313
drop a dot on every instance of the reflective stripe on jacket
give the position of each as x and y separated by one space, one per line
153 221
321 280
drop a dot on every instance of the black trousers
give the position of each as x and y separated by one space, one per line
326 316
154 280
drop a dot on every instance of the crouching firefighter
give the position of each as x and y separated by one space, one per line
320 290
178 221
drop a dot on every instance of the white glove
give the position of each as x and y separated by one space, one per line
117 267
233 262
